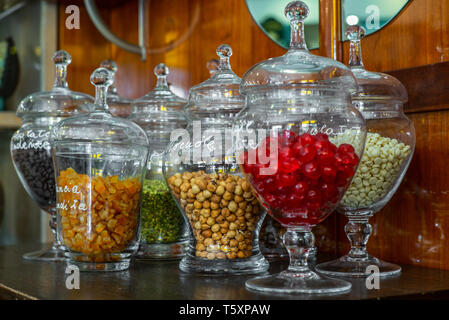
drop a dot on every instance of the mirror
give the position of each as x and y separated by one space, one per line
269 16
373 15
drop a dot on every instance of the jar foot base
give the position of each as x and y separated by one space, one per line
357 268
52 254
161 251
99 266
290 282
252 265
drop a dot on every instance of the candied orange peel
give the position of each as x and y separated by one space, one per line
99 215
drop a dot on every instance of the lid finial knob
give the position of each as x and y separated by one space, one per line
355 32
101 77
224 51
62 57
296 10
161 70
109 64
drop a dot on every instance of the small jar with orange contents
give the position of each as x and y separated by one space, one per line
99 163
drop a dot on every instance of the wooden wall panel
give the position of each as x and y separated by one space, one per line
206 23
86 47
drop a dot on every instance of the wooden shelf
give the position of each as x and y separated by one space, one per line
9 120
20 279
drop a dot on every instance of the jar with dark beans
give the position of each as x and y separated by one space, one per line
30 144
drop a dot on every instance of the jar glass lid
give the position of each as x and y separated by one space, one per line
372 85
60 101
99 126
219 96
298 68
161 102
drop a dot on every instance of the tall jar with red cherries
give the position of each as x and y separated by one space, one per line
295 105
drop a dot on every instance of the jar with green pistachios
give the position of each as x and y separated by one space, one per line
163 230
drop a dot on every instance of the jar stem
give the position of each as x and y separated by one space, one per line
299 242
297 40
358 231
355 54
61 76
161 82
100 98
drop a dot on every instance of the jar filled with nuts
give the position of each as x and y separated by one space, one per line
99 165
223 215
388 151
163 230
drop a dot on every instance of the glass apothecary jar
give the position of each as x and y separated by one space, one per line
30 146
223 214
118 106
163 230
296 105
99 164
389 148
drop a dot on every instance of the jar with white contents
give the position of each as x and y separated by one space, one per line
389 148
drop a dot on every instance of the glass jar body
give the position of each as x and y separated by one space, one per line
388 151
163 232
31 154
223 215
285 142
98 189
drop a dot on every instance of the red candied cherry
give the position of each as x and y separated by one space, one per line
328 173
288 166
301 188
311 170
348 171
314 195
306 153
332 147
321 144
325 156
345 148
285 153
287 137
354 159
329 191
322 136
306 139
285 180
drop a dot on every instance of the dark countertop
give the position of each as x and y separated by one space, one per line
20 279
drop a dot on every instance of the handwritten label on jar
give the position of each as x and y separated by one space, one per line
75 204
31 139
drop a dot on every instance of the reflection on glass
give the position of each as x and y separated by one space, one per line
269 16
373 15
